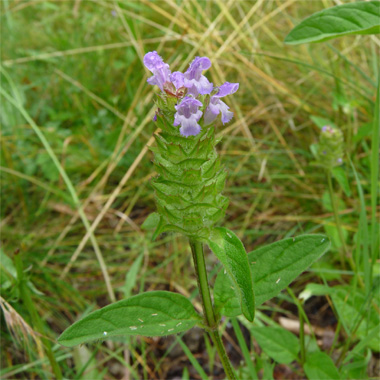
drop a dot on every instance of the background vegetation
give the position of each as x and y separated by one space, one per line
74 70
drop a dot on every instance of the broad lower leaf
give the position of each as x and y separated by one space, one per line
278 343
156 313
273 268
319 366
362 17
231 252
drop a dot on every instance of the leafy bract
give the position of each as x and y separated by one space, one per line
273 268
361 17
319 366
278 343
155 313
231 252
151 222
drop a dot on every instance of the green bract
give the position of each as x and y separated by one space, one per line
190 177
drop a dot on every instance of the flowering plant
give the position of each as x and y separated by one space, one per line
189 199
191 178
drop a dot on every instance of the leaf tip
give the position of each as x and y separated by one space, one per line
289 39
249 314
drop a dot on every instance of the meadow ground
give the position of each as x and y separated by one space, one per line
77 88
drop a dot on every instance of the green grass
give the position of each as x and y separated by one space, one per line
75 121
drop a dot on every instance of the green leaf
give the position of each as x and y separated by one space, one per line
354 311
319 366
156 313
131 276
340 175
321 122
151 222
362 17
364 130
230 251
273 268
278 343
7 264
356 314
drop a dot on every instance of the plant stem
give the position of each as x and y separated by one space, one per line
208 310
337 220
340 231
302 336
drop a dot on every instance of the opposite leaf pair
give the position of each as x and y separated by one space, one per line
160 313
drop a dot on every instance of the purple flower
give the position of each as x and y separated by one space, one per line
217 106
187 116
194 80
158 67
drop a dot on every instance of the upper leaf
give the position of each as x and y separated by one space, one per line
231 252
354 18
154 313
273 268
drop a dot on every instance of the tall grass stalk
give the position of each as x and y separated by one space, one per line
16 103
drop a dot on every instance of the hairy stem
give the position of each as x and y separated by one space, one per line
208 310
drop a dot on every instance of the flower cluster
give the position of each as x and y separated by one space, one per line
330 148
196 96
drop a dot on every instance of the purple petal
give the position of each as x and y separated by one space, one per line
227 88
177 78
187 116
215 107
196 67
209 116
153 61
201 86
194 80
212 111
226 114
189 127
188 106
158 67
